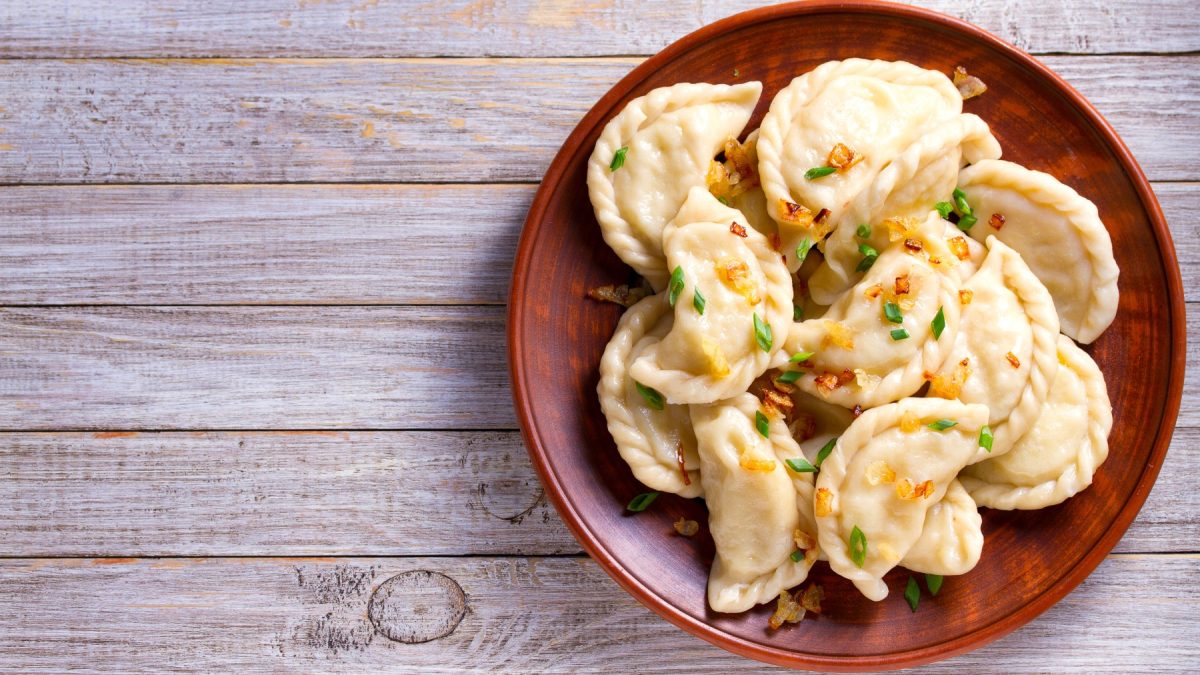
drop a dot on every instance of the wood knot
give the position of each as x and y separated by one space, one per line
418 606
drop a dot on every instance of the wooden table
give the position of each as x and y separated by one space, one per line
253 394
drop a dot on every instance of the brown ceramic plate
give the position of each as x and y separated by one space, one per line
1030 559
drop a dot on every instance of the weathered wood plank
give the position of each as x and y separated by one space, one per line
314 244
344 493
510 615
261 244
254 368
94 28
405 120
282 493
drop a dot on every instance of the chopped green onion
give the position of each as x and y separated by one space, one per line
818 172
641 501
698 301
858 546
865 263
618 159
762 334
868 251
653 398
965 222
676 285
762 424
899 334
800 465
985 438
825 450
944 209
803 248
789 377
960 203
938 324
892 311
723 201
797 313
912 593
797 555
801 357
941 425
934 582
864 231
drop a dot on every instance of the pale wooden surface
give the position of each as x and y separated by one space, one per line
205 383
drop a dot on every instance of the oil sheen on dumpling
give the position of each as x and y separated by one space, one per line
874 108
650 439
1005 353
1058 232
951 540
1057 458
922 175
859 358
756 504
669 135
730 277
893 464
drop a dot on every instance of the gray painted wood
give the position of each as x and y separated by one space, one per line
312 244
510 615
346 493
95 28
412 120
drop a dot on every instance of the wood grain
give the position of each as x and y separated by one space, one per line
253 368
521 615
94 28
312 244
411 120
345 493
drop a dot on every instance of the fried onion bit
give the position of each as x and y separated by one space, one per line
622 295
786 611
686 528
968 85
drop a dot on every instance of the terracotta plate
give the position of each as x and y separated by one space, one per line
1030 559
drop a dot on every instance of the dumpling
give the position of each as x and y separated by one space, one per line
756 505
1048 223
1057 458
654 438
875 490
733 308
924 174
1005 353
951 540
860 355
651 154
872 109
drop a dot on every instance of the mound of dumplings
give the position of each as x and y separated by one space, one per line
858 326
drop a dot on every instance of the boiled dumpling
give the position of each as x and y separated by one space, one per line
733 306
1057 458
651 154
875 490
1004 355
756 505
654 438
910 186
1048 223
873 110
951 540
861 355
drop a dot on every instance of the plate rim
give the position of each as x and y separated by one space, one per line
787 657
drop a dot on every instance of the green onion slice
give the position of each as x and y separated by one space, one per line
790 376
653 398
868 251
640 502
865 263
698 301
934 582
944 209
801 357
797 313
966 222
818 172
863 231
985 438
892 311
825 450
960 202
899 334
797 556
762 334
762 424
912 593
800 465
723 201
938 324
803 248
676 285
618 159
942 425
858 546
